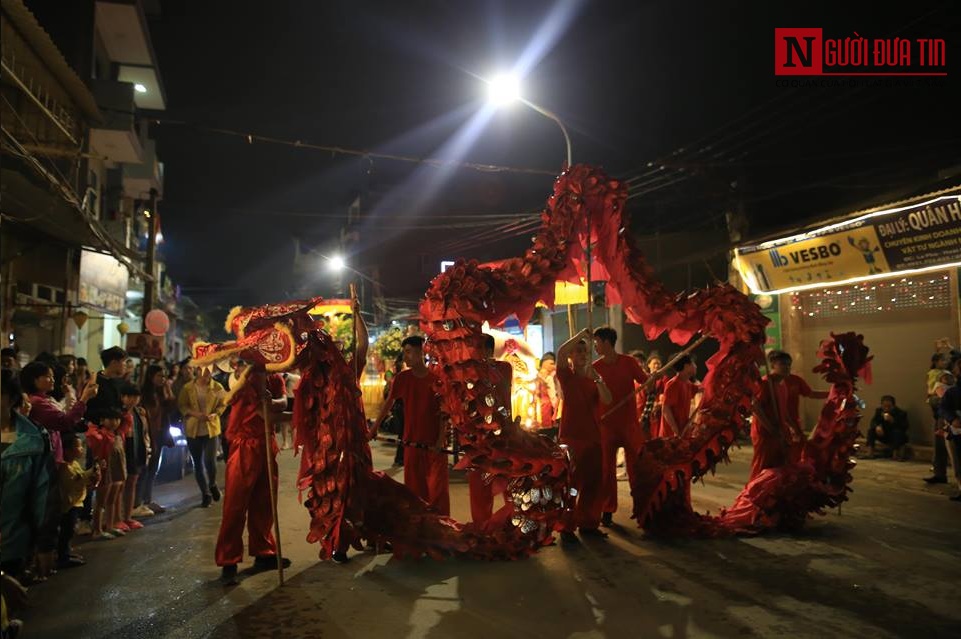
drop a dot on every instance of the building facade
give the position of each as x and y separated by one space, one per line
889 272
81 177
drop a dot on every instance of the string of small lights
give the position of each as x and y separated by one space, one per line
927 291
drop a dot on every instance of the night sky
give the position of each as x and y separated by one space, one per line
636 82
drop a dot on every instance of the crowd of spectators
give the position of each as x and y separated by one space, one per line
79 452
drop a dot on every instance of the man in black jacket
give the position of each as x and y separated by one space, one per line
110 380
889 426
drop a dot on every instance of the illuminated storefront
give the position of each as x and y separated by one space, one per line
891 273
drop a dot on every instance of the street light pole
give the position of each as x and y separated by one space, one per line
567 142
553 116
505 88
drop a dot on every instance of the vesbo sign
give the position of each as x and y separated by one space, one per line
907 238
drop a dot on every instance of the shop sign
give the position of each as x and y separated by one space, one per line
879 244
103 282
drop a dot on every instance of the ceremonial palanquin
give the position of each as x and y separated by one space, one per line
349 502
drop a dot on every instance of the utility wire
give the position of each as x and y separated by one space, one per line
501 233
341 150
392 221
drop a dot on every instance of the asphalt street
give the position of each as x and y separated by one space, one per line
882 567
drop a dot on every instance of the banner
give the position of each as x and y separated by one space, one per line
884 242
146 346
103 282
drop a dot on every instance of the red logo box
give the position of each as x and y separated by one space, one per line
798 52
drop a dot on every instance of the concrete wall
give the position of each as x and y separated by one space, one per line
902 342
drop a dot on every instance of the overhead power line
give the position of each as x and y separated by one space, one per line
341 150
391 220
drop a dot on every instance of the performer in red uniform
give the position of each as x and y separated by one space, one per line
481 492
585 395
549 396
620 428
776 426
425 469
246 494
679 391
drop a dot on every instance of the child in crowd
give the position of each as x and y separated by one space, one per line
107 446
74 481
136 451
945 381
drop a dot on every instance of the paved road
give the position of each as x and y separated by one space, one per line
885 567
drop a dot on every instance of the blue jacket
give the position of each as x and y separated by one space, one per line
23 470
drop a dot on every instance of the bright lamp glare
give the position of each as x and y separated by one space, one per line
503 89
139 88
336 263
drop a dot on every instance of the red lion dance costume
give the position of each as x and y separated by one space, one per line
349 502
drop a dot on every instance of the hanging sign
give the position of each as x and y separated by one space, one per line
909 238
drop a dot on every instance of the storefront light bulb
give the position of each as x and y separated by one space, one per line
139 88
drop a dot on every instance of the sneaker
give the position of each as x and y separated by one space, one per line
133 524
607 520
205 502
83 528
934 479
106 535
142 511
123 526
156 508
340 557
215 492
228 575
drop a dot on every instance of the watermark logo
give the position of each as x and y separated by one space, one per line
808 52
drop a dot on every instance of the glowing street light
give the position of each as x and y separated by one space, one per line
139 88
505 88
336 263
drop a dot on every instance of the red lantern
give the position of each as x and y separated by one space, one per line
157 322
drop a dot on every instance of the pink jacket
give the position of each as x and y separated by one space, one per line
46 413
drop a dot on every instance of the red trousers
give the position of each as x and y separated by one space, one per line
481 497
770 451
425 473
587 468
247 499
614 436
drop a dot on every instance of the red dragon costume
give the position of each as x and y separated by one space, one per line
350 502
